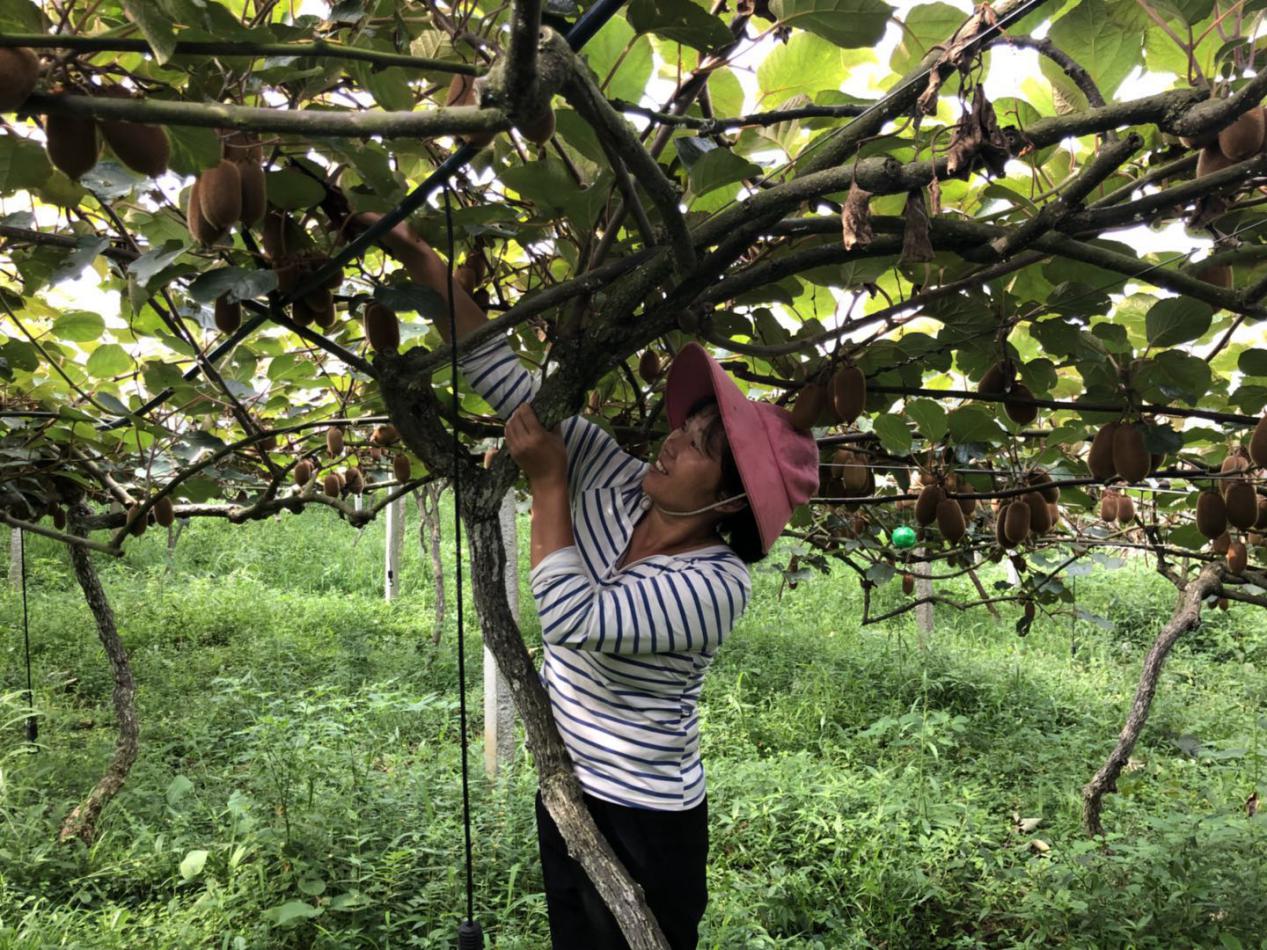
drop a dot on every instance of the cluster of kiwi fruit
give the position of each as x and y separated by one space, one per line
1030 515
849 474
231 192
1234 143
1118 450
352 479
841 398
1234 504
163 513
934 505
74 142
1000 380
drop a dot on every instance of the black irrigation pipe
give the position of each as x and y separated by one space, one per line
582 31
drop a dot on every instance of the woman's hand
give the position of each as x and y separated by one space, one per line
540 453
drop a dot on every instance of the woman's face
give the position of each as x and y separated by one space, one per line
686 473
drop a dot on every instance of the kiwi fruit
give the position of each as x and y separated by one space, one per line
143 148
1018 406
1258 443
1100 455
997 379
1016 522
254 193
999 534
1053 513
135 523
220 195
927 503
164 512
1235 464
908 584
808 406
950 520
402 467
1039 516
1125 509
354 480
243 147
1220 544
1244 137
228 316
19 71
1211 514
848 393
71 143
330 485
334 442
1237 557
1261 523
649 366
328 318
386 434
303 314
464 276
58 514
538 129
382 327
199 229
1130 458
853 470
1242 505
1108 507
303 472
1044 486
1211 160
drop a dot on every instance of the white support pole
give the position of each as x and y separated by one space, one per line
15 558
499 708
923 589
395 545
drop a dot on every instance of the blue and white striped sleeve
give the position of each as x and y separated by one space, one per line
495 372
689 609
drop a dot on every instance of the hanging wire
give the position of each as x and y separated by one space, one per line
469 934
32 727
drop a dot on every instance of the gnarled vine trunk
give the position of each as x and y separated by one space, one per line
81 823
1186 616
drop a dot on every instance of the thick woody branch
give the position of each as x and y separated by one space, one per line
317 48
521 52
41 530
584 95
1186 616
1111 156
459 120
710 127
1045 47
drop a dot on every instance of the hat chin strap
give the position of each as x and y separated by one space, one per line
700 511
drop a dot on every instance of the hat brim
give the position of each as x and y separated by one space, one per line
694 375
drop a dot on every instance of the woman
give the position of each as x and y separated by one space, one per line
638 571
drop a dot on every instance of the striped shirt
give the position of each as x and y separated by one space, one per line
625 649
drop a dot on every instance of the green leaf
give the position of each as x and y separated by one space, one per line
847 23
1174 374
21 16
193 149
23 163
155 25
924 27
292 190
679 20
79 326
236 282
193 864
1253 362
805 64
709 167
930 417
617 47
108 360
291 911
1104 45
974 424
894 436
1176 320
152 262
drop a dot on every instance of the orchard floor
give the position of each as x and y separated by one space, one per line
298 783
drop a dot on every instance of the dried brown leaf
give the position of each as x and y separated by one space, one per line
855 218
917 246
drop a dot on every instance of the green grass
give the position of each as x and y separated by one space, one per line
300 756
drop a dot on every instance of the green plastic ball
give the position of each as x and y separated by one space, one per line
903 536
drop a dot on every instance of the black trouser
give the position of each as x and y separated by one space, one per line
665 851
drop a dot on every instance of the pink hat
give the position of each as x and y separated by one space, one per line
777 463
